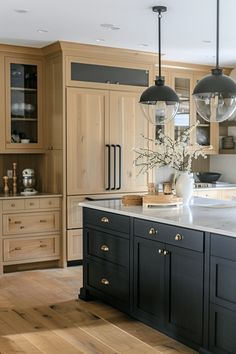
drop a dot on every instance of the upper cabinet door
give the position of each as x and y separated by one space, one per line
206 133
127 125
87 113
23 125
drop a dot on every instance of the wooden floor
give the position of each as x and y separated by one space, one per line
40 313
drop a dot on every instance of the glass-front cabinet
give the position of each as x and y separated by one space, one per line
23 105
183 82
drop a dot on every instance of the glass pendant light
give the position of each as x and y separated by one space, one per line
215 94
159 102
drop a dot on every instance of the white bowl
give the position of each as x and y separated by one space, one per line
25 141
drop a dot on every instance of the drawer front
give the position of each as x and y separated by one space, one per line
13 204
106 220
108 279
31 248
49 203
74 245
32 203
108 247
172 235
74 212
223 246
30 223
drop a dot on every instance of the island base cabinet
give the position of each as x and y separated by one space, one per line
169 289
222 330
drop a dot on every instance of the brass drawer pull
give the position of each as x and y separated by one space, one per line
17 222
22 227
178 237
13 205
105 219
43 245
104 248
31 204
104 281
152 231
50 203
42 220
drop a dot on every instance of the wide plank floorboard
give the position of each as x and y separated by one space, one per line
40 313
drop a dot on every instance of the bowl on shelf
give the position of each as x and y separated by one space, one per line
25 141
208 177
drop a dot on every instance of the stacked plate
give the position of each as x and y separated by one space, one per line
228 142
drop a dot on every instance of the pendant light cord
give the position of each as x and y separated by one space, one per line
217 33
159 41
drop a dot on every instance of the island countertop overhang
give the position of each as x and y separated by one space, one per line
209 215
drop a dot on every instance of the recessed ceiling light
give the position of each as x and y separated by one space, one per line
100 40
143 45
41 30
206 41
21 11
110 26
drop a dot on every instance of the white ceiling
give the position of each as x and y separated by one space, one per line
185 26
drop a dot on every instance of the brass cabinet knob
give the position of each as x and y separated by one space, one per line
13 205
178 237
104 281
105 219
104 248
43 245
152 231
17 249
165 252
17 222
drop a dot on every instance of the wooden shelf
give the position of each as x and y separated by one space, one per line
24 119
23 89
227 151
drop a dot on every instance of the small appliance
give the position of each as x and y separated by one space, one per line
28 179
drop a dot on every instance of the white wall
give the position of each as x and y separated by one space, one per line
226 165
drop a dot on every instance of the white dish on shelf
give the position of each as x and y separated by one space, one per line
25 141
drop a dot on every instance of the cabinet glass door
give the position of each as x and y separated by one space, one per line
182 87
23 106
24 112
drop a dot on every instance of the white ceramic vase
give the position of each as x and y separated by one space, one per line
184 186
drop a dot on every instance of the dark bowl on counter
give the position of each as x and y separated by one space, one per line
208 177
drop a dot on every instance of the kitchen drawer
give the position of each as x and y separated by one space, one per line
74 244
31 249
108 279
108 247
107 220
13 204
49 203
223 246
173 235
32 203
74 212
30 223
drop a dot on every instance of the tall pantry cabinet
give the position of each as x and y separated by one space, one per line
102 129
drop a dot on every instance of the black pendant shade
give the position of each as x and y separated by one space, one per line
215 94
159 102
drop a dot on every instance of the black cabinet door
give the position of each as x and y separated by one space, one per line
185 316
222 330
149 281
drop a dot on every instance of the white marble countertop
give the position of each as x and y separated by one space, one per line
204 214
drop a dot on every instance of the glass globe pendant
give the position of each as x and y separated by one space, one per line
215 94
159 102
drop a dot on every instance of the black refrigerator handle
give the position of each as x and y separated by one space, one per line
108 167
114 165
119 148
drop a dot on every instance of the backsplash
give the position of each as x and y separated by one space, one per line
23 161
226 165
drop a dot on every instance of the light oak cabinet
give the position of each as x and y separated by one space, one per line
24 105
31 230
102 129
183 82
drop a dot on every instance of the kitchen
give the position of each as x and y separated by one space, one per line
77 97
